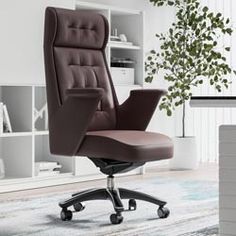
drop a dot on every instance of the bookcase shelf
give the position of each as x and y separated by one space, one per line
61 175
123 46
45 132
15 134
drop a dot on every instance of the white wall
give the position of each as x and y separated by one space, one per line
21 37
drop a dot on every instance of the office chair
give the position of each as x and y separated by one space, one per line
85 118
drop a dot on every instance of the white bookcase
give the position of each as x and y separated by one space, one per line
131 24
29 142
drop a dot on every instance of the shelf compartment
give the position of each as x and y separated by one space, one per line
40 106
16 153
133 55
16 134
18 100
129 25
42 153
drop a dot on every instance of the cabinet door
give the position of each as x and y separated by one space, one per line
122 76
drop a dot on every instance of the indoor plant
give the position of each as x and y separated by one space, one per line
189 55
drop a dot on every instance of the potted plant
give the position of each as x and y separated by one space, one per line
189 56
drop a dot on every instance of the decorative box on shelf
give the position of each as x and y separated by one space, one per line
122 76
47 168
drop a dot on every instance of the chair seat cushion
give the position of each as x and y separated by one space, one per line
126 145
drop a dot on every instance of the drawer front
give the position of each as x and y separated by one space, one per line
122 76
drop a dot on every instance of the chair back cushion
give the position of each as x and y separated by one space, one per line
74 45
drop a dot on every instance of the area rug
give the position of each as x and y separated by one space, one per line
193 205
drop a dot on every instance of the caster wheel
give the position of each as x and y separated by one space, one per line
79 206
116 219
163 212
132 205
66 215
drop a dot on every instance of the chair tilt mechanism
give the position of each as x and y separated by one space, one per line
85 118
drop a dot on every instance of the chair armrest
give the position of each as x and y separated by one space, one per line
70 122
136 112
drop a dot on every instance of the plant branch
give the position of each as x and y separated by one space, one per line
183 121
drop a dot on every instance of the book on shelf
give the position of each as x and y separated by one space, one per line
47 173
47 165
114 38
1 117
121 43
5 121
47 168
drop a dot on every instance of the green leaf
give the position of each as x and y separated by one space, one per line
229 31
170 3
169 112
210 15
148 79
205 9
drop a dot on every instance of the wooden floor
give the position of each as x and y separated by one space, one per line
205 172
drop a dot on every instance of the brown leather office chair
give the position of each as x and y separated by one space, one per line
85 118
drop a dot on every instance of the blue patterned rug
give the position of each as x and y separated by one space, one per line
193 205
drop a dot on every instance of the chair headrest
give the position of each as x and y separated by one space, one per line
78 28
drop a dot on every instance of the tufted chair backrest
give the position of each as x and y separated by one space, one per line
74 49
